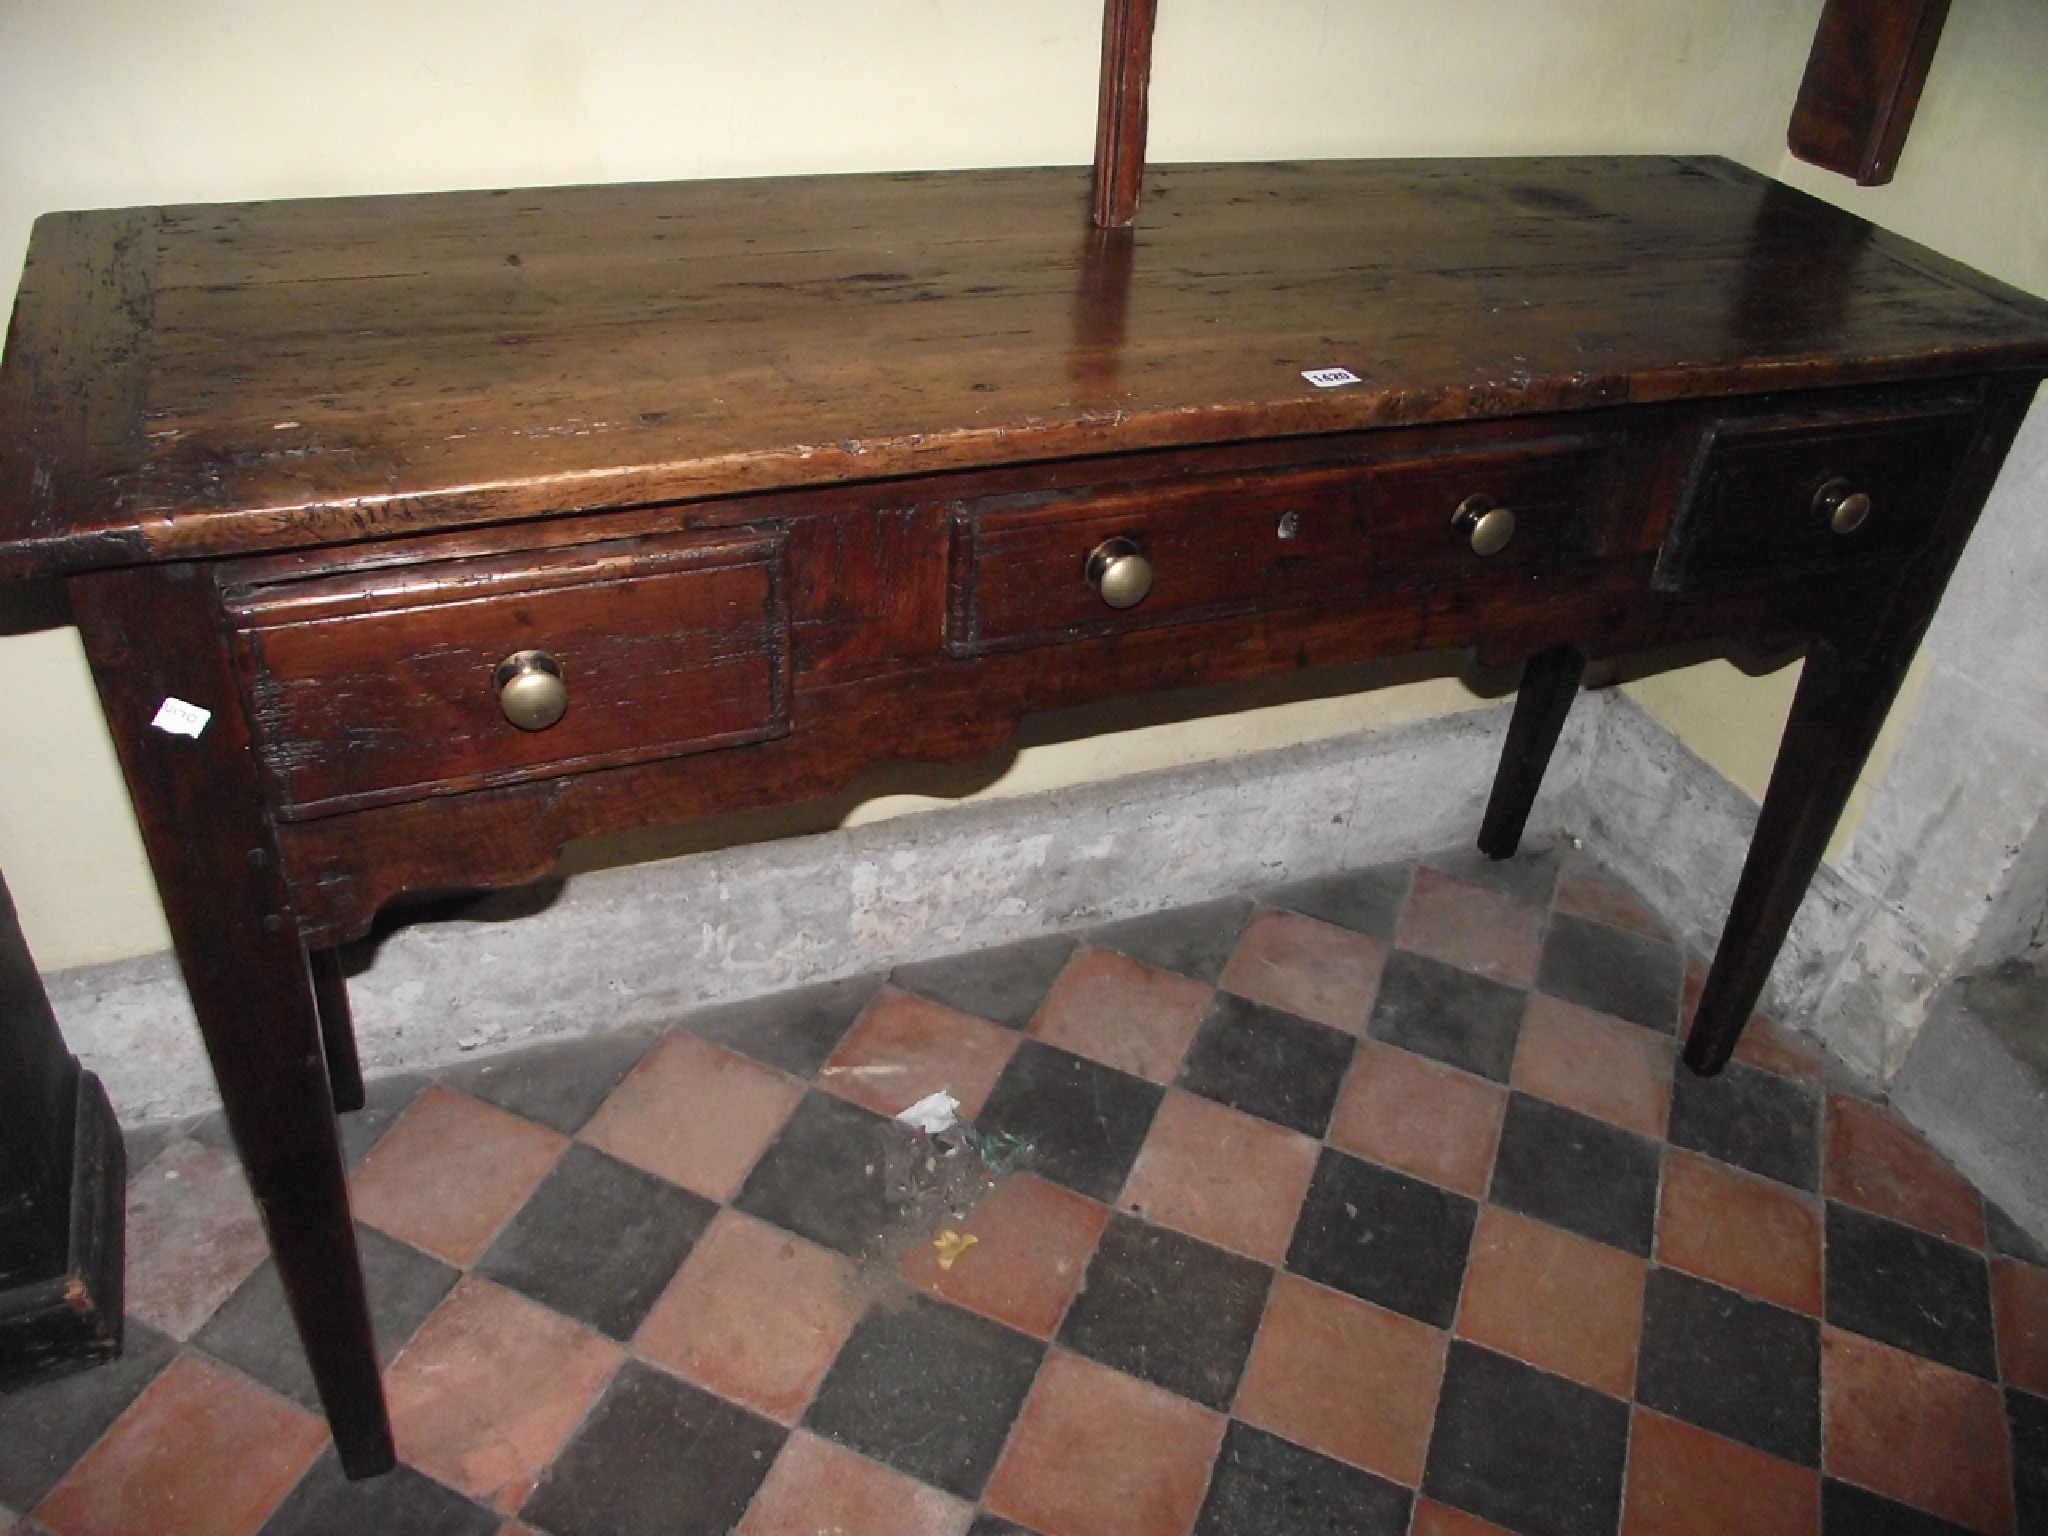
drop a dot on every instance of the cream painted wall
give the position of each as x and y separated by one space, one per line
1972 183
108 102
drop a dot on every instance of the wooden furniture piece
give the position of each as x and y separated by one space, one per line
481 521
61 1186
1862 85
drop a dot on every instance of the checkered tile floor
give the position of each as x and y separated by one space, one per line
1373 1205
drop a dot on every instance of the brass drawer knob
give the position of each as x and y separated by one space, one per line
530 689
1119 573
1485 523
1841 506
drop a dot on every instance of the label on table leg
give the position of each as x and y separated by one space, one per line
177 718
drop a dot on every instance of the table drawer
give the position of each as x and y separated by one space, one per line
1255 542
384 685
1775 495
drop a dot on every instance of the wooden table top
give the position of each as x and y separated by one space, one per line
230 378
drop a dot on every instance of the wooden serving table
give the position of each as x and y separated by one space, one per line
410 537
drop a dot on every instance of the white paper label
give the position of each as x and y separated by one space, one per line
1330 378
177 718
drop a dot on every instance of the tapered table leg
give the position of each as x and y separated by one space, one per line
337 1029
1837 712
154 634
1550 681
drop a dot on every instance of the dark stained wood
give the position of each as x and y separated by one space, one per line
800 477
376 688
62 1178
1851 678
1863 80
352 368
1120 110
153 633
1550 681
337 1030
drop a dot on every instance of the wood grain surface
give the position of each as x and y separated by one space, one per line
235 378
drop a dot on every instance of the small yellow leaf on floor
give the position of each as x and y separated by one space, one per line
951 1245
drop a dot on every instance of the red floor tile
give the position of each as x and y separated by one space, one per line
1877 1162
1683 1481
1434 1519
2019 1297
1429 1120
1111 1009
1601 1066
451 1170
1914 1431
1345 1378
694 1113
1774 1048
193 1236
1228 1178
1031 1246
816 1487
1308 968
203 1451
1471 927
1585 892
1098 1453
756 1314
490 1389
903 1048
1560 1302
1740 1231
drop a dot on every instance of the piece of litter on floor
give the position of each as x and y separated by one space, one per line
878 1069
932 1114
951 1245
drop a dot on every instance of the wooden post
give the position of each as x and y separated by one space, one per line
1863 80
1120 110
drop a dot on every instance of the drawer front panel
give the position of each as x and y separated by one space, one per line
381 687
1761 491
1250 543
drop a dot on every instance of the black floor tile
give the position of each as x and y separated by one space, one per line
1530 876
929 1390
401 1501
1382 1236
46 1427
559 1084
1846 1510
141 1143
1367 901
1004 986
1263 1485
1268 1063
1525 1449
1578 1173
990 1525
822 1176
1448 1015
794 1032
1909 1289
2027 1415
656 1454
2006 1236
1085 1122
1613 971
1194 941
598 1241
1741 1368
253 1329
1751 1118
1168 1309
384 1100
